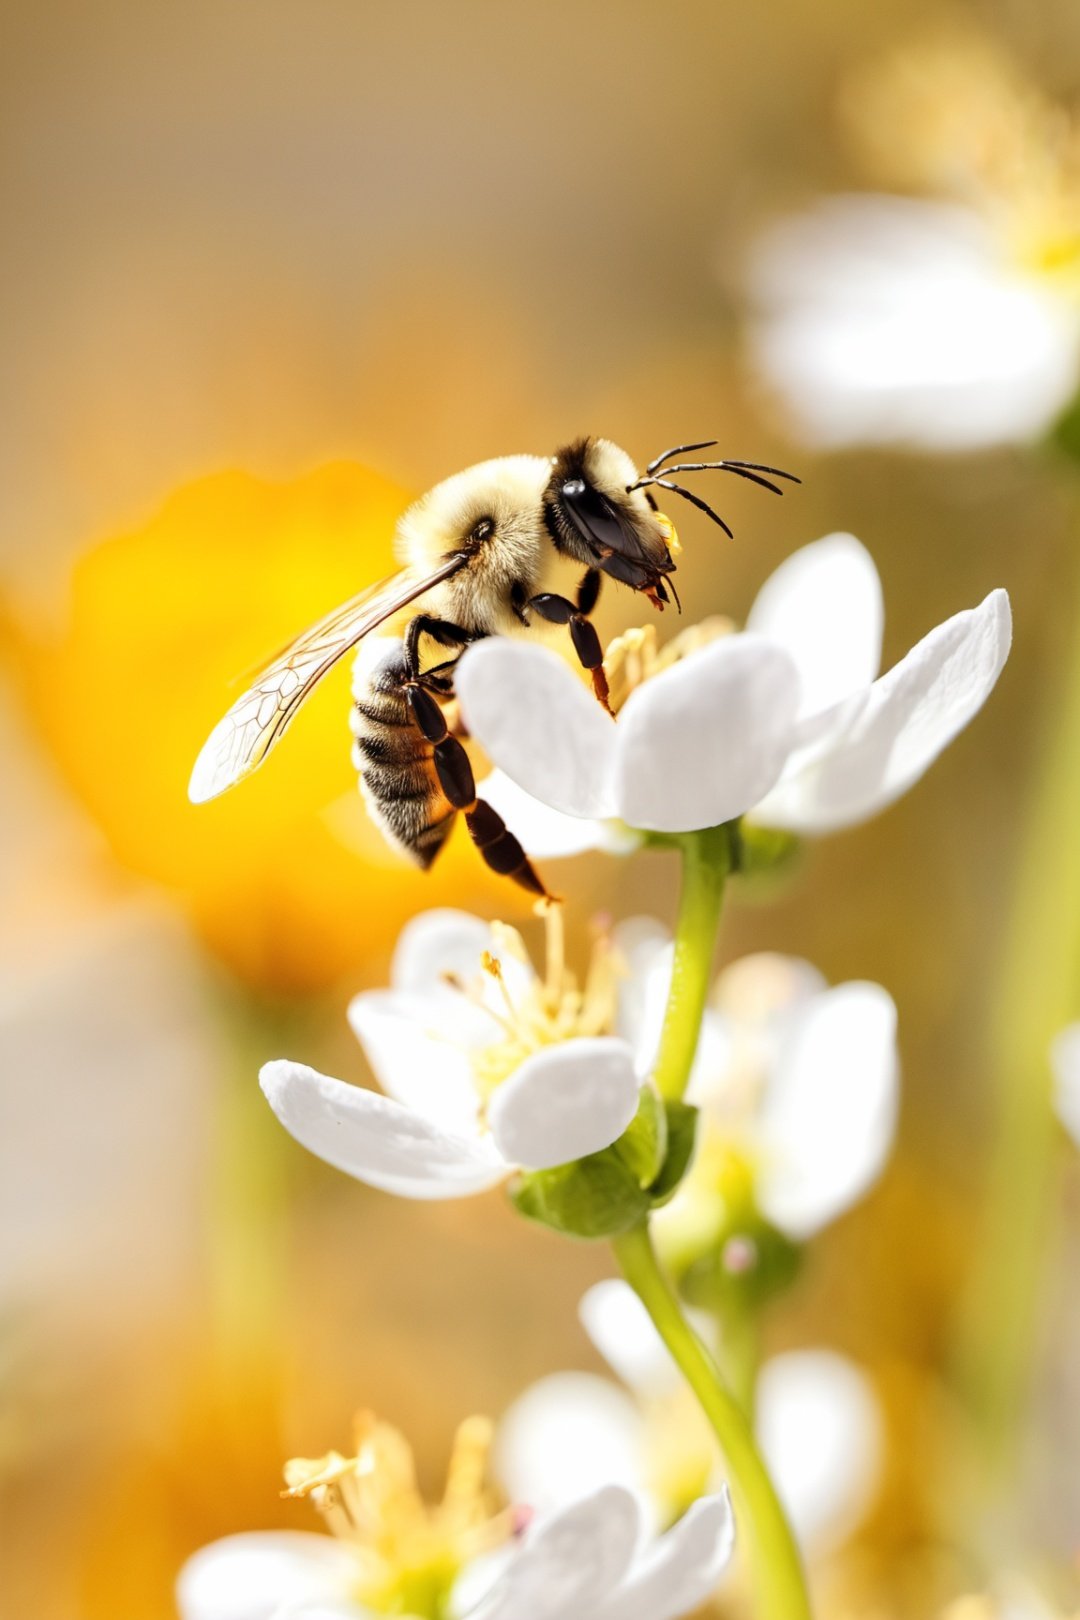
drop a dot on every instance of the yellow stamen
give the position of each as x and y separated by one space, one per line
408 1554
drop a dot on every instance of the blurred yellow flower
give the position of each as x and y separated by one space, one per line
285 879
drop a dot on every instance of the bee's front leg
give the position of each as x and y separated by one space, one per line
560 610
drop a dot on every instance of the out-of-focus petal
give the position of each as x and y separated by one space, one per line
443 947
621 1329
820 1429
912 713
1065 1057
539 725
823 606
681 1570
827 1119
874 315
416 1060
565 1437
374 1138
564 1102
570 1563
434 944
550 834
250 1577
706 739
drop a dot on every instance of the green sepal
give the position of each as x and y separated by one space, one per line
681 1120
710 1282
594 1197
644 1143
1065 433
764 851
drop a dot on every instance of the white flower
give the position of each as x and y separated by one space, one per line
894 320
798 1087
784 721
817 1420
486 1066
590 1559
1065 1057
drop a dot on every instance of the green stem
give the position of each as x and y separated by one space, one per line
1037 997
706 858
740 1353
779 1584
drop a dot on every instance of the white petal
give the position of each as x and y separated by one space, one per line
706 739
1065 1057
565 1102
821 1431
571 1562
912 713
537 723
875 315
374 1138
249 1577
443 945
565 1437
436 943
827 1120
415 1061
823 606
621 1329
681 1570
549 834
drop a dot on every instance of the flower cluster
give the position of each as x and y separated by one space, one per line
709 1133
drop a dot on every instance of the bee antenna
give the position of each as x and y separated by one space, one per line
735 467
680 450
695 500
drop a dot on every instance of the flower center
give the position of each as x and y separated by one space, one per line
532 1011
955 118
636 656
409 1553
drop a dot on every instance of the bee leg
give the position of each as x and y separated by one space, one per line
487 829
560 610
440 631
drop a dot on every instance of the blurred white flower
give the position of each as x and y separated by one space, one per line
798 1087
1065 1058
948 320
395 1556
486 1065
785 721
1012 1600
817 1420
893 320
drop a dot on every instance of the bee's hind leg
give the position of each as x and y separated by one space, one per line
487 829
560 610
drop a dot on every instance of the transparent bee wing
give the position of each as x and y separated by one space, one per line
256 721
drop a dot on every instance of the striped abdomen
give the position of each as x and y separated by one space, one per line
396 764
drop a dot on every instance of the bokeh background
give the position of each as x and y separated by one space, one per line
269 270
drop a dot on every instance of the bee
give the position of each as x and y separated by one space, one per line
477 552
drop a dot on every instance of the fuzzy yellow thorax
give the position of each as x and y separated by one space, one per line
409 1553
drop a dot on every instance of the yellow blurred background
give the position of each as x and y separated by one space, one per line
269 270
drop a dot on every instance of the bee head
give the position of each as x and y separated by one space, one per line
595 514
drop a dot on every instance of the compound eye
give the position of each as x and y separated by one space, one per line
482 530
